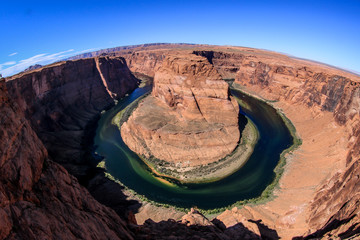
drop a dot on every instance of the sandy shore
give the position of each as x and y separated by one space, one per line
321 153
199 174
319 156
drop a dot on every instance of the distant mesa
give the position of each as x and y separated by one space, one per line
33 67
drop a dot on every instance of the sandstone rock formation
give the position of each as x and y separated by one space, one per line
190 118
318 195
33 67
194 225
328 99
63 99
38 198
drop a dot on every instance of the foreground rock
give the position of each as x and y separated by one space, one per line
38 198
194 225
318 195
189 120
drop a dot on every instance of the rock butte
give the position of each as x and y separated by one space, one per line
45 114
190 119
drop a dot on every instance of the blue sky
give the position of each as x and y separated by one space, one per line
46 31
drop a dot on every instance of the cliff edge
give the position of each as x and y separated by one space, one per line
190 119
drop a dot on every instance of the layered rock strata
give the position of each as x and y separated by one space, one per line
190 119
318 195
62 100
38 198
328 99
334 210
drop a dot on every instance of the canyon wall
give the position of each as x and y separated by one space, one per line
59 101
63 99
38 198
319 88
335 208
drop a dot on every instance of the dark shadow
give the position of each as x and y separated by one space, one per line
331 225
265 231
209 55
219 224
111 194
242 123
352 231
171 229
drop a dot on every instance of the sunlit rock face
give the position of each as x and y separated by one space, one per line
189 119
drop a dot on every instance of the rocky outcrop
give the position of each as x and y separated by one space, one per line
320 89
227 64
128 49
41 200
33 67
230 219
38 198
194 226
189 119
62 100
335 209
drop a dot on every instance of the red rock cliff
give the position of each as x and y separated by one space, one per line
38 198
61 99
335 208
320 89
30 178
190 119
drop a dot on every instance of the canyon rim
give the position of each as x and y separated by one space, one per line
51 188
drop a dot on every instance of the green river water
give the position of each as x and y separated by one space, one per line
248 182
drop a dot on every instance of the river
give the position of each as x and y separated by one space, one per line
248 182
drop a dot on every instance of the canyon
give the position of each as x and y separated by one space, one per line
46 119
189 120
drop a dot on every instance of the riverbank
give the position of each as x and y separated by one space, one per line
264 197
213 171
268 193
171 173
323 145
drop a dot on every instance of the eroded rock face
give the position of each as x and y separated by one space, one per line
190 118
320 89
194 225
32 187
335 210
38 198
62 99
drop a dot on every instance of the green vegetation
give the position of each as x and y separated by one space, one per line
144 79
267 194
203 174
212 171
124 114
101 165
143 198
163 166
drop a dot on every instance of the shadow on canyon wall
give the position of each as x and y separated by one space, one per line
60 100
171 229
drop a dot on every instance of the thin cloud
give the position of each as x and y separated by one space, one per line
13 54
87 50
41 59
7 64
